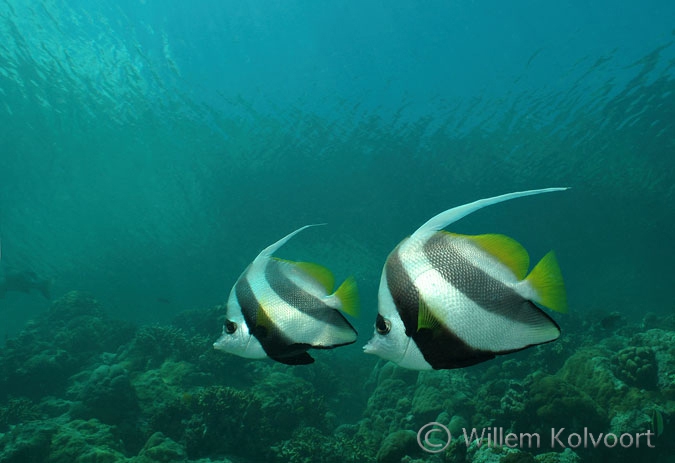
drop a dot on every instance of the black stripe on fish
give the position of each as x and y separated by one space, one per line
275 343
301 357
403 291
301 300
442 251
289 291
441 347
248 303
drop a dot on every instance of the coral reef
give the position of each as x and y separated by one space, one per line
104 393
636 366
549 395
160 448
79 386
67 339
308 445
16 411
61 441
28 442
85 441
397 445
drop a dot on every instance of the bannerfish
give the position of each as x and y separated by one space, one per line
24 281
450 301
656 424
280 309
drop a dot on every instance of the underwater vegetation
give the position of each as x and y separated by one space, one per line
79 386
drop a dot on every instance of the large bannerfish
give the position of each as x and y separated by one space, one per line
280 309
451 301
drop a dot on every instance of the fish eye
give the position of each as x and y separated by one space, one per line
382 325
230 326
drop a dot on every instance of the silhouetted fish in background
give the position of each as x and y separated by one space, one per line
23 281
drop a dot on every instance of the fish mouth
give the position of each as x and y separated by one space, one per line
369 348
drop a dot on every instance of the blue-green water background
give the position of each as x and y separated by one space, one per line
150 149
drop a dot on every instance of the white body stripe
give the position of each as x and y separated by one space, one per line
241 342
293 323
477 327
310 286
398 348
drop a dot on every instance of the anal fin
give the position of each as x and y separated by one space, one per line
299 359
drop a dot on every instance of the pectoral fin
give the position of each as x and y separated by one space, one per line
426 318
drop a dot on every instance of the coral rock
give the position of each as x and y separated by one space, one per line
161 449
397 445
637 367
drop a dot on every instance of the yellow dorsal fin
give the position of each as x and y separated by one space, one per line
547 281
319 273
506 250
425 318
348 294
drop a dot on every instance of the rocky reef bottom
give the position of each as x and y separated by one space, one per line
79 386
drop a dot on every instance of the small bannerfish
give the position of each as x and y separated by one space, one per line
280 309
450 301
656 424
24 281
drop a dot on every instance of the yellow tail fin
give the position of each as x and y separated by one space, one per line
546 279
348 294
